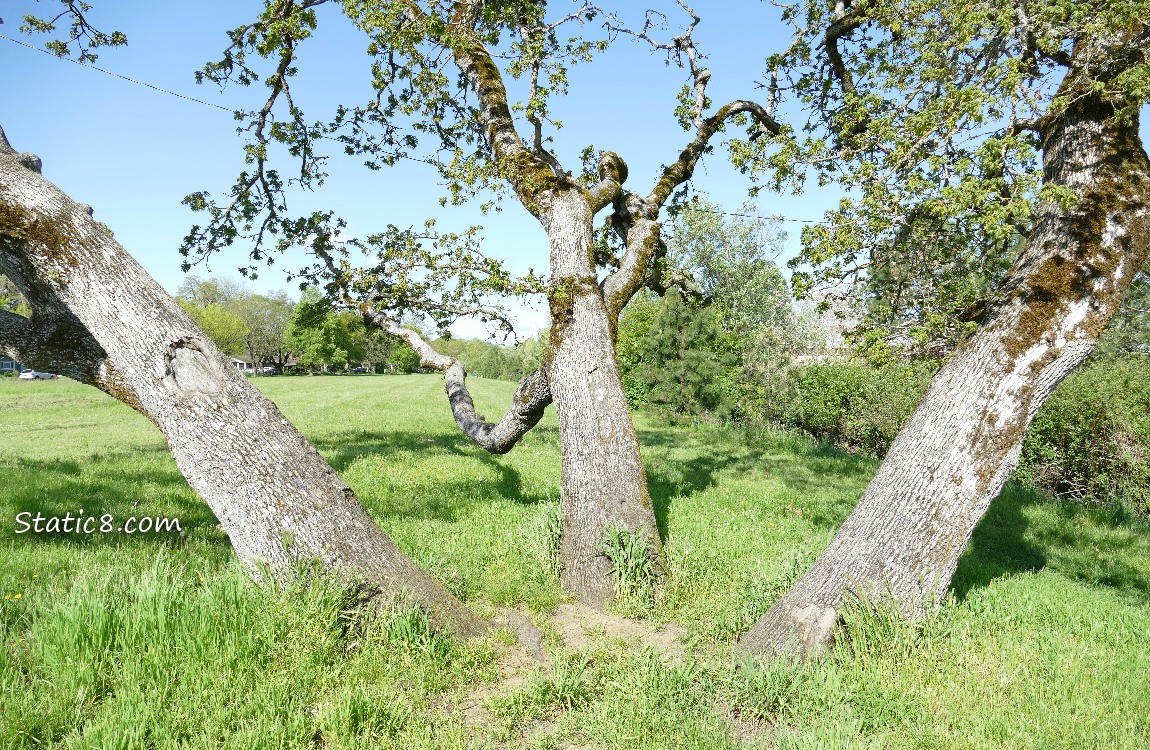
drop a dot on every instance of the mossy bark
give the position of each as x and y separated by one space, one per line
604 483
902 542
99 318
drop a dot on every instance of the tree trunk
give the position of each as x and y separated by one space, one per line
604 483
902 542
100 319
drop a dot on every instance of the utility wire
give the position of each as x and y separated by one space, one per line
231 111
117 75
748 216
178 95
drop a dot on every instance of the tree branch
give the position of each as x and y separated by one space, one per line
527 405
53 339
636 223
530 175
679 47
845 22
681 171
612 175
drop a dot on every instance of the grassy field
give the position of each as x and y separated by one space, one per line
155 640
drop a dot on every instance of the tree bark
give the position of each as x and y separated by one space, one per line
902 542
100 319
604 483
531 398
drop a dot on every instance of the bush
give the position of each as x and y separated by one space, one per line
855 405
1091 439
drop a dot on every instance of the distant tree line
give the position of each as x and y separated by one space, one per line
273 328
312 335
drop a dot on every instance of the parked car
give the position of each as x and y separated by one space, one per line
35 375
270 371
359 370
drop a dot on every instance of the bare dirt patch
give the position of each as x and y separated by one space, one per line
579 626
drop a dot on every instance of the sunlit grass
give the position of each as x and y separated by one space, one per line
159 640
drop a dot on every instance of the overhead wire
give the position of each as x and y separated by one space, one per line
185 97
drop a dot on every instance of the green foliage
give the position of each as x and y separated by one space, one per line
1091 439
82 38
11 300
931 127
681 361
632 568
730 256
239 321
487 359
635 325
402 358
322 337
708 356
227 329
1129 329
856 405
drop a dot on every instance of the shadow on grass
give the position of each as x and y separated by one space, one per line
1025 531
998 546
106 485
341 450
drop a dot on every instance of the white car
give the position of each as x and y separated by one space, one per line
34 375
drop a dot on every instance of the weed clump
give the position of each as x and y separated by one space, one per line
632 569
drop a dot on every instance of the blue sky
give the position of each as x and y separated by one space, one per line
133 153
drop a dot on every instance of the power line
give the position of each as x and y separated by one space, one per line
117 75
178 95
749 216
185 97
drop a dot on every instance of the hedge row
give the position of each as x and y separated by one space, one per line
1090 441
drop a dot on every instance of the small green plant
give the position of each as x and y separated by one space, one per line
547 536
632 568
406 627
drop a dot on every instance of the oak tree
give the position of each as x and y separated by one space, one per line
90 312
995 121
441 73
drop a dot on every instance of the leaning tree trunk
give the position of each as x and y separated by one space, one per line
902 542
604 484
100 319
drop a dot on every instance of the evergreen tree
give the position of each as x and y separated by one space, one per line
682 359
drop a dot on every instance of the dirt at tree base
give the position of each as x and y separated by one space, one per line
573 627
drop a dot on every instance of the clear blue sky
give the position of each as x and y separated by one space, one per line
133 153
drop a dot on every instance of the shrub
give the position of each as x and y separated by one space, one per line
855 405
1091 439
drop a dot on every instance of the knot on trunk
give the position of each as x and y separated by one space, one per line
31 161
189 368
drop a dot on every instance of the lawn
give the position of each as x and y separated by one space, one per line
157 639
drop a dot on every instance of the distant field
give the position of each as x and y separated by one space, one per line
158 639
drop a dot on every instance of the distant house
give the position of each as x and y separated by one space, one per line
243 364
9 365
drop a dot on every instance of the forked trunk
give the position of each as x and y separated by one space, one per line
604 484
902 542
99 318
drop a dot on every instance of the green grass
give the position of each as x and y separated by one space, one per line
159 640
